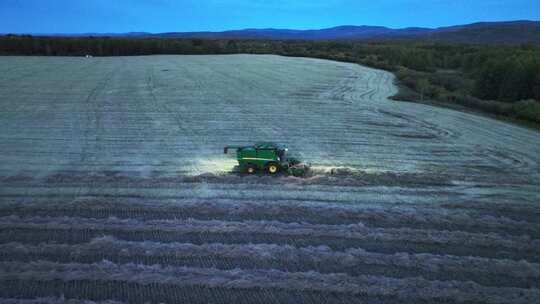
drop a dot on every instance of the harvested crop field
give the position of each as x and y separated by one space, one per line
114 188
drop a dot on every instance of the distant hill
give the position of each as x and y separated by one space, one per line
521 31
488 32
339 32
482 32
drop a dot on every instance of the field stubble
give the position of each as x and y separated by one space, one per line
113 188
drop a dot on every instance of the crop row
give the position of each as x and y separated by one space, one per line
291 211
373 286
142 293
340 237
353 261
51 300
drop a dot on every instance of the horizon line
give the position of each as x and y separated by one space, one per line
268 28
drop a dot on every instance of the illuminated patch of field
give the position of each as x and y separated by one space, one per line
215 165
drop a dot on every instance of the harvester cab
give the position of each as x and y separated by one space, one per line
267 157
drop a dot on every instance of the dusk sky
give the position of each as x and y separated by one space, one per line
116 16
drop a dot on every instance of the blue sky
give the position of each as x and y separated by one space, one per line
107 16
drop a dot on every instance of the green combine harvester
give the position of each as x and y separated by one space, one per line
267 157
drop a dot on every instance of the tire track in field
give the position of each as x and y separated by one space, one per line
162 106
93 126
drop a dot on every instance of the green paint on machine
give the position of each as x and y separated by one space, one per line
266 157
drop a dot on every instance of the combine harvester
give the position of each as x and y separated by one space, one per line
267 157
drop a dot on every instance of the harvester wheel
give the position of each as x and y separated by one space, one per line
272 168
250 169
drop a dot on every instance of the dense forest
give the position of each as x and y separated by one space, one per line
502 79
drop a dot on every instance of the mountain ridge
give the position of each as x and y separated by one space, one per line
517 31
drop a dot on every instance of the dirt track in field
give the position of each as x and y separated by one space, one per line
113 187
